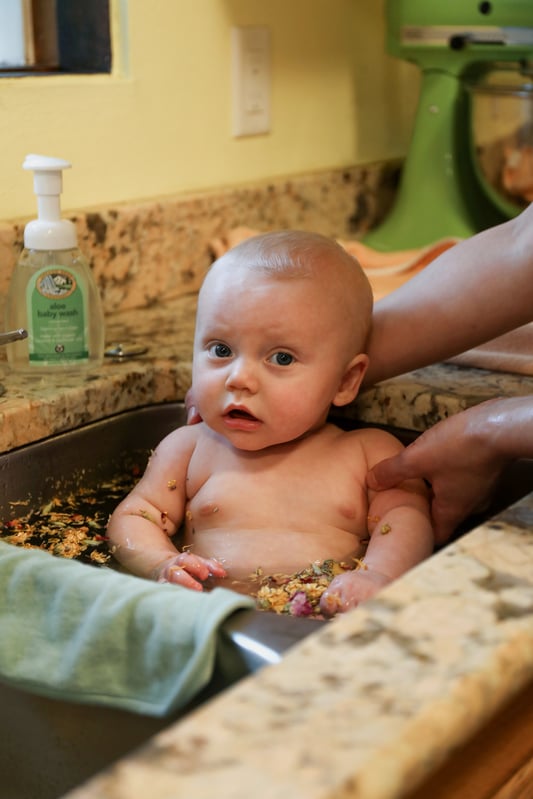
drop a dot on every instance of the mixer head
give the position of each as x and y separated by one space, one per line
463 37
447 187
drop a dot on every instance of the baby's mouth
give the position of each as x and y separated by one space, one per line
241 413
240 419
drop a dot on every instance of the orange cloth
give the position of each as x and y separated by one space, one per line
386 271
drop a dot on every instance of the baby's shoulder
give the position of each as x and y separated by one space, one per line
375 442
185 437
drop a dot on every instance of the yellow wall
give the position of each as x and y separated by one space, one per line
161 124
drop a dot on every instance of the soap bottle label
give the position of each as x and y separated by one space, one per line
56 316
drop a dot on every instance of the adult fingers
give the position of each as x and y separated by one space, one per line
446 516
193 417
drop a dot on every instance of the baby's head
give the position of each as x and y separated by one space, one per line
282 320
342 287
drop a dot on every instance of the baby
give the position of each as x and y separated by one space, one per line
264 484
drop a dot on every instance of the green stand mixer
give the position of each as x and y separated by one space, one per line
456 44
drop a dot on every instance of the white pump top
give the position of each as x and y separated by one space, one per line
48 231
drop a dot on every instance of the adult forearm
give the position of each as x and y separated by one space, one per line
507 424
475 291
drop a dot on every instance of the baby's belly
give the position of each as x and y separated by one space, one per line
246 554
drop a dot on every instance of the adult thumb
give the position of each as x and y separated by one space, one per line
387 474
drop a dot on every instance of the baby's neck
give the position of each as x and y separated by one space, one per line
271 450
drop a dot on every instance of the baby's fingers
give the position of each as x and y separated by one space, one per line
333 600
190 570
201 567
178 576
216 569
347 590
330 603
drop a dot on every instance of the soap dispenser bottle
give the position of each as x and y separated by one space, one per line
52 293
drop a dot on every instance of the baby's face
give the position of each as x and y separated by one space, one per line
269 356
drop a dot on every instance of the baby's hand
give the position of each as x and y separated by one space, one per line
185 567
349 589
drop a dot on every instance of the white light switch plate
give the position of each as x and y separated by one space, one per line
250 54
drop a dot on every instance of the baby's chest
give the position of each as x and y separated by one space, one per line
301 492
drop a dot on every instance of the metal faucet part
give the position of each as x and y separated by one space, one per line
13 335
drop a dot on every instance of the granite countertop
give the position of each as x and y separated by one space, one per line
373 702
32 408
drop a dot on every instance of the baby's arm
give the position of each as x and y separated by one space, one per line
141 527
400 532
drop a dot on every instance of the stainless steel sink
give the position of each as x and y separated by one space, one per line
50 746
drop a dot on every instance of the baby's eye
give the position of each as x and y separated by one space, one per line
282 358
219 350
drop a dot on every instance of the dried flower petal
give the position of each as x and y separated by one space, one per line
299 605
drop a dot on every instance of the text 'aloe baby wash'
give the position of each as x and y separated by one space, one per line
52 293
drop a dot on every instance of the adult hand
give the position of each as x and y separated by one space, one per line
193 417
461 459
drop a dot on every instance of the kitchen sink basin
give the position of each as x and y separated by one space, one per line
50 746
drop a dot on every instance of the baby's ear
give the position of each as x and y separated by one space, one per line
351 380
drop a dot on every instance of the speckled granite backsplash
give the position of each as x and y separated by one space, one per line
159 248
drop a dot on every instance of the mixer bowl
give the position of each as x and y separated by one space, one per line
502 138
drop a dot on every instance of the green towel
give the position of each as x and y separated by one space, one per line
86 634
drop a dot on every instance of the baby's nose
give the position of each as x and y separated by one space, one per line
242 376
